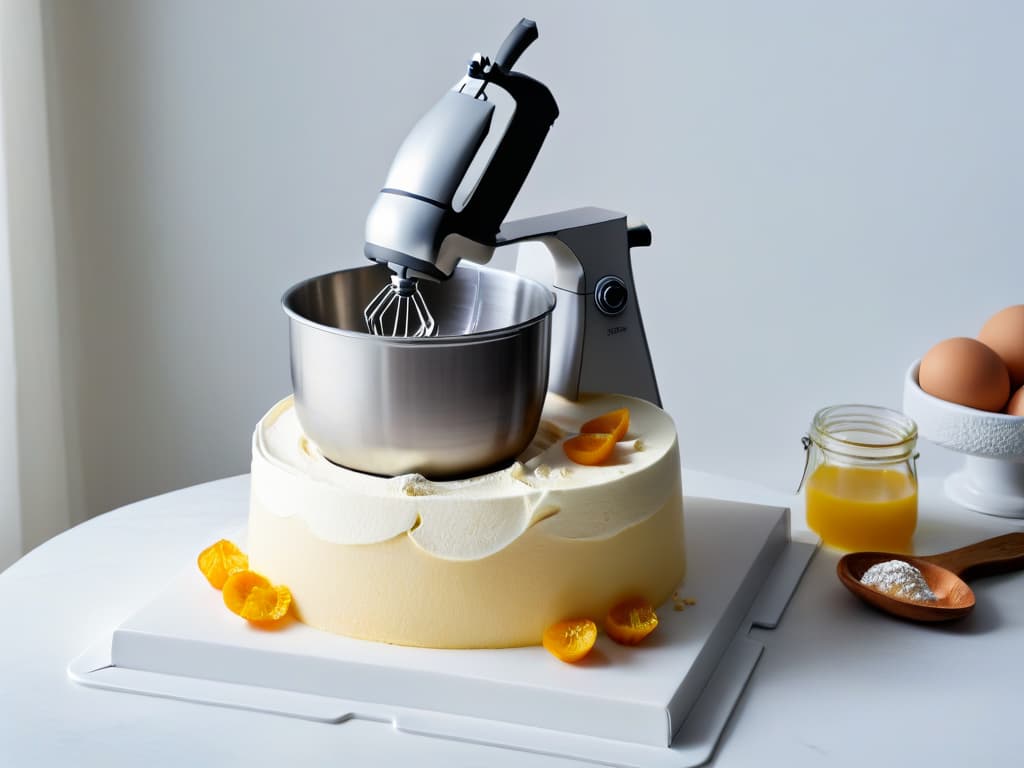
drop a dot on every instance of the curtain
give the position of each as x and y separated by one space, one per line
34 480
10 505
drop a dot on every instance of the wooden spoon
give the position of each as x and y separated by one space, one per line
943 573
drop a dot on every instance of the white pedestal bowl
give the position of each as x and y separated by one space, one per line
992 479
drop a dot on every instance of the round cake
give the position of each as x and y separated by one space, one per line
485 562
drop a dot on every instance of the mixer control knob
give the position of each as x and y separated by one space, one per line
611 295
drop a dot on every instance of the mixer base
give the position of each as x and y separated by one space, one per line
663 703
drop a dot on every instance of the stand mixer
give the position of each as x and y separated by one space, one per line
443 370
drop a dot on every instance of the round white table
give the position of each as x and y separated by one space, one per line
838 684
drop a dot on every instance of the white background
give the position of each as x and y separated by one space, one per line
832 188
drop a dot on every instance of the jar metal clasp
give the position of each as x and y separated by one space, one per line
806 441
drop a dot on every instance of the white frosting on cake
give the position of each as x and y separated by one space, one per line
489 561
473 518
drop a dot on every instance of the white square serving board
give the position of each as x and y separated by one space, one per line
661 703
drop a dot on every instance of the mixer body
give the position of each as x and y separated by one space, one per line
598 340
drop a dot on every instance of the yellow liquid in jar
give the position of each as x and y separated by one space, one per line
857 508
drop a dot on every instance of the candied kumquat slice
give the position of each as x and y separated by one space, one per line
239 586
615 423
630 621
267 604
570 640
220 560
589 449
253 597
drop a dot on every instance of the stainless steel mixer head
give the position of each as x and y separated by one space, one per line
399 311
413 226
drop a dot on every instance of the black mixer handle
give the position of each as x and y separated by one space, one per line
518 40
534 113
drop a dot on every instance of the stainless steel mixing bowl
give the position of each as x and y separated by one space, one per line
452 405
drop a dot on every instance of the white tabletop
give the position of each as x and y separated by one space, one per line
837 685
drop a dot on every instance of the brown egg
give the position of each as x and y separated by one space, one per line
1016 405
1004 333
967 372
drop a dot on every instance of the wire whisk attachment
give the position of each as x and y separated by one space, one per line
399 311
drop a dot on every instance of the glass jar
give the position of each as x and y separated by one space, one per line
860 478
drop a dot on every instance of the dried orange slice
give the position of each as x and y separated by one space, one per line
253 597
220 560
589 449
615 423
630 621
570 640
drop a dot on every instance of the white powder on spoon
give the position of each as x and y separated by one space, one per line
899 579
